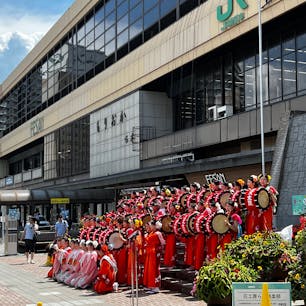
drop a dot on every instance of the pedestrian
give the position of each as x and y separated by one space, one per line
29 236
61 227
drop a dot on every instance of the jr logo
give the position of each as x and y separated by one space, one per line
223 16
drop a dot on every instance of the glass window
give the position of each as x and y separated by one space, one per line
110 6
136 28
122 38
288 46
110 20
250 89
122 9
136 13
133 3
151 17
239 85
90 37
166 6
301 40
275 80
99 29
301 69
122 23
149 3
110 34
81 32
265 91
89 25
99 43
249 62
110 48
99 16
289 74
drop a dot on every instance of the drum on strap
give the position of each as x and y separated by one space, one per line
191 223
177 228
115 240
166 222
104 236
218 223
200 223
242 198
224 197
259 197
184 224
183 199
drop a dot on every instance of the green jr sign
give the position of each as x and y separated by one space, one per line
226 18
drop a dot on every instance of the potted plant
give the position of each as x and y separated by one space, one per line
214 281
265 252
297 275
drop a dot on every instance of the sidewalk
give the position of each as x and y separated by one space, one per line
23 284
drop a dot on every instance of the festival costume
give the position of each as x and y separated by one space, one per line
121 259
74 267
153 245
170 250
106 275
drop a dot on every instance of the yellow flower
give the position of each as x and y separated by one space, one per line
243 255
259 268
282 245
302 286
297 276
246 237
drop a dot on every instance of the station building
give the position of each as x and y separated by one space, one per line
129 93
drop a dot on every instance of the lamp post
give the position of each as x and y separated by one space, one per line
262 136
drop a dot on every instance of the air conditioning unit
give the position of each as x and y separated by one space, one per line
224 111
212 113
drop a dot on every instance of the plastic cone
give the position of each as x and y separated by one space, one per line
265 298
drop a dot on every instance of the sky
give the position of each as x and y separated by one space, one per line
22 24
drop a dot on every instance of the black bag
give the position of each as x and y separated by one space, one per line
35 237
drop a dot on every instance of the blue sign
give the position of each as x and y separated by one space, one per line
9 180
298 205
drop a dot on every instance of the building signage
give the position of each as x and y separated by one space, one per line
226 16
59 200
250 294
298 205
220 177
37 126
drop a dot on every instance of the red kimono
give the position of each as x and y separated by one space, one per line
153 244
170 250
121 259
106 275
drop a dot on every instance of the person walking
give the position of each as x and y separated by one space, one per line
29 236
61 227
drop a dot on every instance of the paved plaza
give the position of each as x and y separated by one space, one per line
23 284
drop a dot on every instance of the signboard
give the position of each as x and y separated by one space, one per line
250 294
225 15
298 205
9 180
60 200
220 177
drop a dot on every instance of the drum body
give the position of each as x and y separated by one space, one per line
177 226
242 198
115 240
223 198
258 197
200 224
167 224
218 224
191 223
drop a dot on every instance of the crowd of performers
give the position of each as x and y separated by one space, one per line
126 246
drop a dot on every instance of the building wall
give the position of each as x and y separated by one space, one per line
195 34
294 175
156 114
114 142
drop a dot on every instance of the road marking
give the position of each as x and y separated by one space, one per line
49 293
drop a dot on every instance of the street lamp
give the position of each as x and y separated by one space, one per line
262 135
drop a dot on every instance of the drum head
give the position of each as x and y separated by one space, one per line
191 223
183 199
166 224
218 224
115 240
224 198
263 198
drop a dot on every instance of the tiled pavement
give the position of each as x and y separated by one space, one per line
23 284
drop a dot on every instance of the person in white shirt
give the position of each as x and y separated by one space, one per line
29 235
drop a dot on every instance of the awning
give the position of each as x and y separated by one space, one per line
44 196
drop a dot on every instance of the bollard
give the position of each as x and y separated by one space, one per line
39 304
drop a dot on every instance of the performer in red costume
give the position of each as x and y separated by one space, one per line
266 217
107 271
154 242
